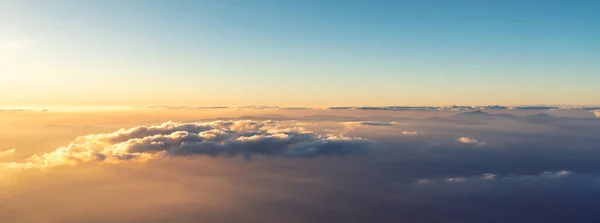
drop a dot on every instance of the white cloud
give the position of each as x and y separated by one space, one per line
468 140
214 139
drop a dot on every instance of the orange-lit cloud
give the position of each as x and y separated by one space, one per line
467 140
220 138
6 153
408 133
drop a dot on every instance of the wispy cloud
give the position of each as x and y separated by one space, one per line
7 153
467 140
408 133
494 177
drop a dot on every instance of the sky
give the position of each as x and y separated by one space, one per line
299 53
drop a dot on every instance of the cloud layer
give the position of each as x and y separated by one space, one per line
431 177
214 139
463 108
409 133
491 176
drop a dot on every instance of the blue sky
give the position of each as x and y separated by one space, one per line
309 53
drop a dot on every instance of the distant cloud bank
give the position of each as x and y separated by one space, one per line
463 108
496 177
391 108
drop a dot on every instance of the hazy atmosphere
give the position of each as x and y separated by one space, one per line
299 111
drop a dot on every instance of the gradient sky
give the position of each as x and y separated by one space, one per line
299 53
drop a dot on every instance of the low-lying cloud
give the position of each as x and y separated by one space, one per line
497 177
467 140
597 113
369 123
409 133
213 139
461 108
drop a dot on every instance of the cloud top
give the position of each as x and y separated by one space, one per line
214 139
467 140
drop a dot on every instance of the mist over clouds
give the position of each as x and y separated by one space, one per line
505 168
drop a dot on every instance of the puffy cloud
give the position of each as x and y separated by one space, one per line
214 139
467 140
597 113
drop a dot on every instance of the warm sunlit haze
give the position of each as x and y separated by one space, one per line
299 111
